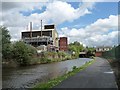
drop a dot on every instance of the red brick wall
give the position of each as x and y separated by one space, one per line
63 44
98 54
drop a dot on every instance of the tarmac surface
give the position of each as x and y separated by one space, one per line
97 75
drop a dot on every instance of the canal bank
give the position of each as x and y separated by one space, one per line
98 75
41 58
25 77
53 82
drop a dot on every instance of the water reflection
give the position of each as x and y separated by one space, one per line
25 77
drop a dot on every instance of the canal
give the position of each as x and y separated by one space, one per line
26 77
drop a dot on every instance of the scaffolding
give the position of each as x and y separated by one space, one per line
37 41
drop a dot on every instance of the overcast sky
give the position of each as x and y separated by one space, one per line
91 23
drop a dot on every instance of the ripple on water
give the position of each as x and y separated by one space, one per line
25 77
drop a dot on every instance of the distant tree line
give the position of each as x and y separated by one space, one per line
77 48
24 54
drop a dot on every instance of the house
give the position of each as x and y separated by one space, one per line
100 50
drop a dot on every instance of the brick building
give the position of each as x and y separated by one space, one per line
100 50
63 44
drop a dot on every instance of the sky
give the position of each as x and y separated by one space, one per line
90 23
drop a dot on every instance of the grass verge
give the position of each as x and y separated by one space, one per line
56 81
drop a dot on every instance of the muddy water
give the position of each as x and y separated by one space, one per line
26 77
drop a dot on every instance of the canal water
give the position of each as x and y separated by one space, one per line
26 77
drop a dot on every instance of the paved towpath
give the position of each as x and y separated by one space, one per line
97 75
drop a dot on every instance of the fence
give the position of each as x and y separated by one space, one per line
113 54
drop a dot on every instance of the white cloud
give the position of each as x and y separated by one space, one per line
102 32
11 15
57 12
21 6
62 11
15 32
95 34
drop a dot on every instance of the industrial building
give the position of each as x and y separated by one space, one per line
46 36
63 44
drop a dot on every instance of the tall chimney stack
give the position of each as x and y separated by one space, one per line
30 27
41 28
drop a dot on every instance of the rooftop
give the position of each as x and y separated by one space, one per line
38 30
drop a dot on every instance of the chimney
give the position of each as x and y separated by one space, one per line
30 28
41 28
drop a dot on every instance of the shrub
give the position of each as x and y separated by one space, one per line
74 67
23 53
45 60
5 45
7 54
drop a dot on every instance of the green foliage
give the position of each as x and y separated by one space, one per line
23 53
74 67
5 35
58 56
48 57
6 47
76 47
75 43
63 54
45 60
90 49
7 52
51 54
19 51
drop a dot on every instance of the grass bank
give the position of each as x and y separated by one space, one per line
56 81
41 58
49 57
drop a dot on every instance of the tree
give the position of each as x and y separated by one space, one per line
7 52
18 52
6 47
90 51
23 53
76 43
5 35
76 47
